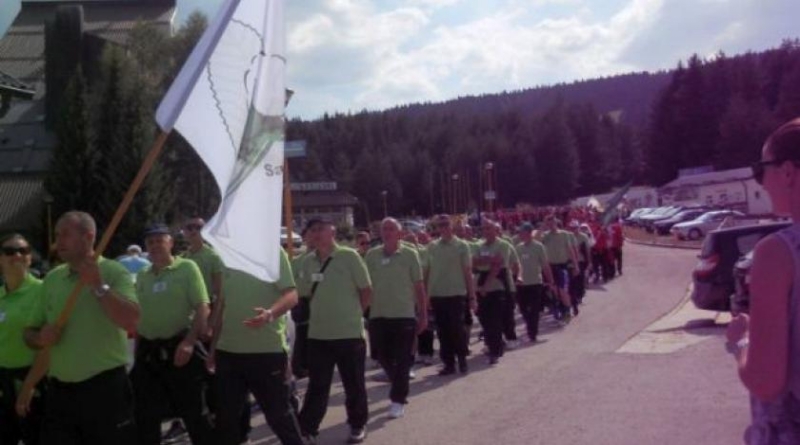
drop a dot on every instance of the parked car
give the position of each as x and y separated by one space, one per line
297 240
697 228
713 276
740 300
648 222
663 226
413 226
633 217
642 218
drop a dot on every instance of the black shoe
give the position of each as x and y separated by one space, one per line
357 435
447 370
462 365
175 433
493 360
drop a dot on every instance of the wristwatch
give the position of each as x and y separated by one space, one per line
102 290
270 316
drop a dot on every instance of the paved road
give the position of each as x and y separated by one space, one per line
638 367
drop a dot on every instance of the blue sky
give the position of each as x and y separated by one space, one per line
348 55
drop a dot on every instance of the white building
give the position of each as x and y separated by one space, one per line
734 189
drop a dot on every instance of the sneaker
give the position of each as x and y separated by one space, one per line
374 364
411 374
309 439
427 360
397 410
447 370
357 435
380 376
176 433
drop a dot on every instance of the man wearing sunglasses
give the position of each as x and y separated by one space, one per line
449 280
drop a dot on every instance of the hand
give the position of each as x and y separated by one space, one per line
211 361
23 405
422 324
89 273
738 328
183 353
473 304
263 316
49 335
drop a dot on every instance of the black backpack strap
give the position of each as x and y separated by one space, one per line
321 271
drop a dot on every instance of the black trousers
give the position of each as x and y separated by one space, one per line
323 355
425 338
509 322
449 313
490 313
616 253
12 427
158 385
96 411
300 350
395 340
264 375
530 305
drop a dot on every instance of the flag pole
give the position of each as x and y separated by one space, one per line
287 205
39 368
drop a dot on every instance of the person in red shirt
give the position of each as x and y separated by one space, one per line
599 253
615 247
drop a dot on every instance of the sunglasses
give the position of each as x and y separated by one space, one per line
194 227
11 251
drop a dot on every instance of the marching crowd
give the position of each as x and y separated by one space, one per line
207 337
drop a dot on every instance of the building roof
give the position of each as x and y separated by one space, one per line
323 199
21 196
718 177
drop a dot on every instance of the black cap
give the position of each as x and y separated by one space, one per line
318 220
157 229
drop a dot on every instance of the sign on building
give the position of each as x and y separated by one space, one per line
313 186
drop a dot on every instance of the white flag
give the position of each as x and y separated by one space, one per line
228 102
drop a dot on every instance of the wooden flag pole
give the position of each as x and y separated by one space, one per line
287 202
40 365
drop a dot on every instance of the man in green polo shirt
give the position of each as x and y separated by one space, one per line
175 311
249 354
18 297
561 254
399 309
89 399
492 262
450 288
209 262
340 293
530 289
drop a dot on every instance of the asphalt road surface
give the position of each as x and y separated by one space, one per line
639 366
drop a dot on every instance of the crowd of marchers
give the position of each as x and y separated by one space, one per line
207 338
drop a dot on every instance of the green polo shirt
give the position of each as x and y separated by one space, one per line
393 278
15 308
169 298
243 292
90 342
303 286
209 263
336 306
446 261
532 258
423 256
499 248
558 245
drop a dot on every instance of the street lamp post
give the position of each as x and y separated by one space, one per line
48 201
385 207
490 193
455 193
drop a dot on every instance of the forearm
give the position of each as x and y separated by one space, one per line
422 299
199 323
366 297
468 281
31 337
120 311
288 300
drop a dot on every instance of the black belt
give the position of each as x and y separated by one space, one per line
91 381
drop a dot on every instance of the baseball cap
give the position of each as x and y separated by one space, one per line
157 229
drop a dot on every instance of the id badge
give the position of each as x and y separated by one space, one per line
159 286
486 253
386 261
2 317
317 277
